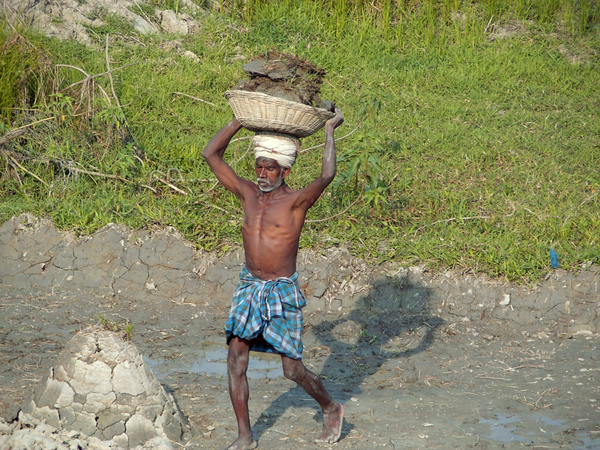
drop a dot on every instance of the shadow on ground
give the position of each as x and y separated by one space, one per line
392 322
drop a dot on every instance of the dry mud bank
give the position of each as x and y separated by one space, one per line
419 359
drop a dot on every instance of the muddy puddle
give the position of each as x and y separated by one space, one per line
210 359
525 429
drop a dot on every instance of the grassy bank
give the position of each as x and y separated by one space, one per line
471 137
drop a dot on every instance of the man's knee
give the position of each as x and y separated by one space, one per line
237 367
293 369
238 357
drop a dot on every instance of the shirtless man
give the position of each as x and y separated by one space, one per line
266 311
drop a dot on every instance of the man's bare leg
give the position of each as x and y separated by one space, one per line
237 365
333 412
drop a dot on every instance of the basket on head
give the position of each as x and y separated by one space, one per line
261 112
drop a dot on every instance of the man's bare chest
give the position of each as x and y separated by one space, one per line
266 218
269 215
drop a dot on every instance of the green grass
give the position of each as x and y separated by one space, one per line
484 154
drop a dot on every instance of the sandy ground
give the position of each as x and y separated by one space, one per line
441 377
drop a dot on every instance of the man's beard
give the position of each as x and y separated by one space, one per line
269 186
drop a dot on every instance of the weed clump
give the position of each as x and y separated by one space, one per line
54 116
26 76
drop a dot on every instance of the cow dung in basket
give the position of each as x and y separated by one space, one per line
281 96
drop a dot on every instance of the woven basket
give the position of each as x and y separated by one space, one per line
261 112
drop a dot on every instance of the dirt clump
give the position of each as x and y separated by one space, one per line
285 76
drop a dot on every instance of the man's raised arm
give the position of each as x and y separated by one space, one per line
213 155
311 194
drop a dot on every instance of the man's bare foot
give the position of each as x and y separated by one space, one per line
332 426
243 444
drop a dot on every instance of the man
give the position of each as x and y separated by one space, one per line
266 311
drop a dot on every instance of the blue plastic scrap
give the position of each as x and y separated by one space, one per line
553 258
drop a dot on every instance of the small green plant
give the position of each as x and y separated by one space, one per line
124 164
62 106
107 324
369 338
129 330
111 325
111 115
363 171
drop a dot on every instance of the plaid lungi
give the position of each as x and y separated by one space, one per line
272 308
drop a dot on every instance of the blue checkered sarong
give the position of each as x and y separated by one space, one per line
270 308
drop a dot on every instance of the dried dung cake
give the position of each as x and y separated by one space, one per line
285 76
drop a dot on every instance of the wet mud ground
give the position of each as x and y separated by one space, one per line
468 387
436 381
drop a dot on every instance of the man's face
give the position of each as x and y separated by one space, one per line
269 174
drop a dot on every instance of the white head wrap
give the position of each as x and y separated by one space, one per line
281 148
